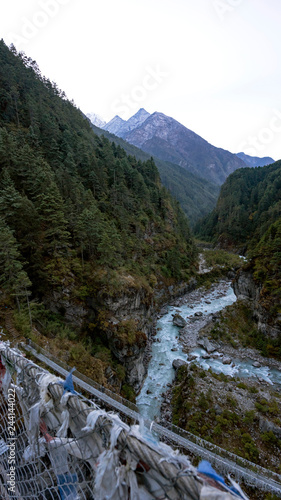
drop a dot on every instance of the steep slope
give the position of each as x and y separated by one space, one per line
249 201
167 139
255 161
196 195
247 219
84 229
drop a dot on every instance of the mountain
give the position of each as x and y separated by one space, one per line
169 140
114 125
255 161
123 128
96 119
196 195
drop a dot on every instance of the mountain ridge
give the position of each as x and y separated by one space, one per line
169 140
255 161
131 124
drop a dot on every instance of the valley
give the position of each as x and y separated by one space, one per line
100 265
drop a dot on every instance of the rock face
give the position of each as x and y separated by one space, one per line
245 287
128 324
61 301
247 290
124 318
267 426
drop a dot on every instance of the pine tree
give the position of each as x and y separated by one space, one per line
13 278
54 234
10 199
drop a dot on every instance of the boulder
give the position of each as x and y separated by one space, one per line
179 321
218 409
177 363
208 346
227 361
217 355
215 317
192 357
256 364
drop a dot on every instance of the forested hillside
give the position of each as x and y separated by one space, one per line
247 218
77 215
249 202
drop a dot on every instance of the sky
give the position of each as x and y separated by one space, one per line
213 65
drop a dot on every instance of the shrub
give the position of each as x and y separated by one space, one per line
241 385
128 393
249 417
202 402
253 390
269 437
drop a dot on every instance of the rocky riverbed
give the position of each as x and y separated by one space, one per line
166 345
196 313
223 391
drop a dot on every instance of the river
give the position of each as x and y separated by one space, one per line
168 346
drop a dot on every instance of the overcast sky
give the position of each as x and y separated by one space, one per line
213 65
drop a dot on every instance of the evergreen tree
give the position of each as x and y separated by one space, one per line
13 278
